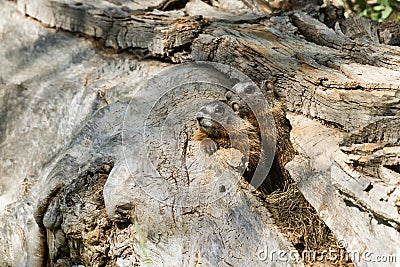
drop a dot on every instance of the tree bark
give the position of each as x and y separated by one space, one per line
73 193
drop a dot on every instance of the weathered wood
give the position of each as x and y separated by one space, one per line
76 161
360 27
341 85
119 26
354 206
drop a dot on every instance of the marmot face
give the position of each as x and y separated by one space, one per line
220 126
215 119
241 95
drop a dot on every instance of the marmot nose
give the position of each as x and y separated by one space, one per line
199 116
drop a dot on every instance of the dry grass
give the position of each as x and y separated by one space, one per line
299 222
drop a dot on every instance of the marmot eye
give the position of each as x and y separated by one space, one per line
219 110
249 89
228 95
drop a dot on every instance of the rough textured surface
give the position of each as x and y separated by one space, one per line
353 205
68 111
118 26
73 193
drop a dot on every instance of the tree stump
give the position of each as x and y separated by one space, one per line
97 157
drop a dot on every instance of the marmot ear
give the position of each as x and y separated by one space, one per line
228 95
235 106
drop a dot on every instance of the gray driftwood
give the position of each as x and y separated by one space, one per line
68 194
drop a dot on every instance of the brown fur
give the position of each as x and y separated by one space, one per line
235 128
244 93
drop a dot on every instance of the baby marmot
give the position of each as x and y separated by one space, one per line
219 126
249 103
246 122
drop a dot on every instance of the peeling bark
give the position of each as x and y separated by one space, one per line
65 99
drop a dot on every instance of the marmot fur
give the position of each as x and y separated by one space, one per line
244 93
219 126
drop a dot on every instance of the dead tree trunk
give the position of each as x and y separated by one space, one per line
69 71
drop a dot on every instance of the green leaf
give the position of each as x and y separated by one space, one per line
364 12
378 8
386 12
384 2
375 16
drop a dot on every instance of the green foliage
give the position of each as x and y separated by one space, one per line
378 10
